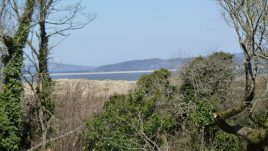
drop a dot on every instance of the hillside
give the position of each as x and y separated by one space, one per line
133 65
153 64
61 68
147 64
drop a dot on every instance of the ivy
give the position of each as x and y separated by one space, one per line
10 98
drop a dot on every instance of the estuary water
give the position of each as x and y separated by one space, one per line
121 75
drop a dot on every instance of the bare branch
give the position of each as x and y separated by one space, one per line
56 138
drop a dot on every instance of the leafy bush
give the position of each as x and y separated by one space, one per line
160 116
206 82
134 121
208 77
201 116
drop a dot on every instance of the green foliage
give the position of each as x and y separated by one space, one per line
156 107
202 115
204 78
10 98
156 83
215 139
206 83
224 141
44 96
129 121
7 143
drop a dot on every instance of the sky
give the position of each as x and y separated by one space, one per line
141 29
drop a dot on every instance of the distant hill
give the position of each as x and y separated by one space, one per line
153 64
62 68
146 64
133 65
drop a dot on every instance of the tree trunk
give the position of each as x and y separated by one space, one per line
10 97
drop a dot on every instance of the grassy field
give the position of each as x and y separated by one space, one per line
77 100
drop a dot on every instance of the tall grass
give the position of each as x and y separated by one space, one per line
76 101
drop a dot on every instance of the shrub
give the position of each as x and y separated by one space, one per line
134 121
206 82
208 77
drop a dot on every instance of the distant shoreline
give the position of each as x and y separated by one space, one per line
99 73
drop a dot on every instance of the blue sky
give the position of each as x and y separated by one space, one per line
139 29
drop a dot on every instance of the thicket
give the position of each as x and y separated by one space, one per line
206 82
135 121
162 115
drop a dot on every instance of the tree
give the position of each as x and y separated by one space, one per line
46 26
249 19
204 78
206 85
40 28
10 98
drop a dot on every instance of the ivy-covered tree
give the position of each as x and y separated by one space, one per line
10 98
40 113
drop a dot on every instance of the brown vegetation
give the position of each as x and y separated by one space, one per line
76 101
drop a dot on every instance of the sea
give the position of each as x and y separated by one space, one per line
123 75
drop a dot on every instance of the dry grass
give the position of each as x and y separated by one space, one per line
103 87
76 101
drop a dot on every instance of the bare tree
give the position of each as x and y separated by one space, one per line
248 18
51 19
